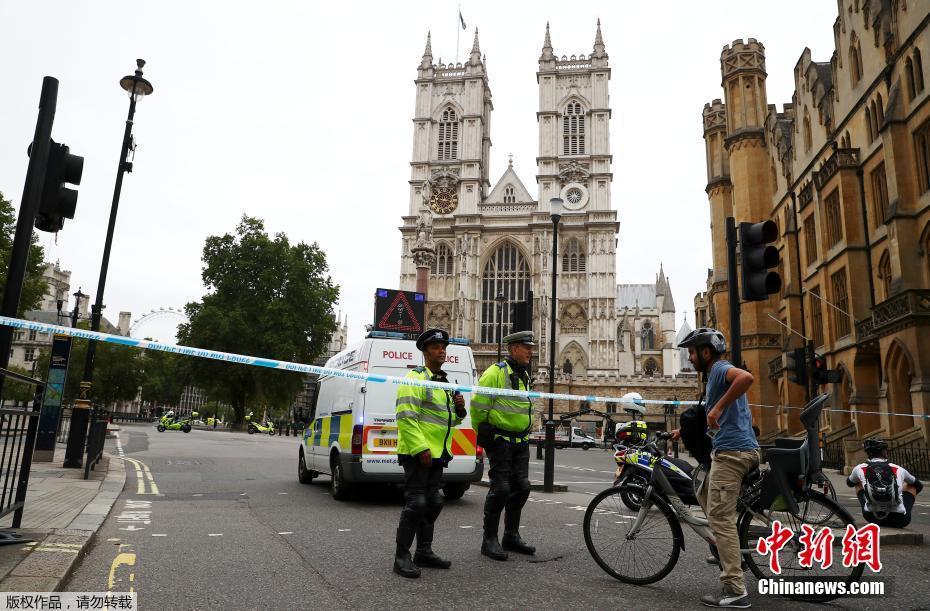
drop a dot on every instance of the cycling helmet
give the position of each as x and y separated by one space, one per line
169 413
632 433
705 336
874 446
632 403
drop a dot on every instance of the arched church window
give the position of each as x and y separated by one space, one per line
442 264
505 272
574 258
509 196
573 131
909 74
855 60
448 136
807 131
884 274
650 367
649 336
918 72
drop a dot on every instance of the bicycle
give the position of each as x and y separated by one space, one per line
643 547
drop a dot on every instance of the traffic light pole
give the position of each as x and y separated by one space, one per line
28 207
736 353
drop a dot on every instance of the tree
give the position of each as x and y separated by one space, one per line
266 298
163 377
34 285
18 391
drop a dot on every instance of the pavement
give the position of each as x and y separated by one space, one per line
62 514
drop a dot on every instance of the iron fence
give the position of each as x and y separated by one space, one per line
833 455
96 437
913 456
122 417
18 428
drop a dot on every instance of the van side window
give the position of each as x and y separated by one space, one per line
311 415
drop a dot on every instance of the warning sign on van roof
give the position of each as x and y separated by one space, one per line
399 311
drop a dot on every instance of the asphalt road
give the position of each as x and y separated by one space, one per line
218 520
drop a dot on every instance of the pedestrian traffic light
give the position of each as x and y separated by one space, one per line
797 366
820 374
757 257
58 202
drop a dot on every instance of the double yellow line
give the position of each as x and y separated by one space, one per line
143 476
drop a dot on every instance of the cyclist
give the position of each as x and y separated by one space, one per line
735 453
886 491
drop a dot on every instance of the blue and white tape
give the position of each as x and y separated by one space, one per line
241 359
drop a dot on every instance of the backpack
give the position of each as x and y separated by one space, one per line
693 431
881 487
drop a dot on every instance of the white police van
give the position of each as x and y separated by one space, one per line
352 434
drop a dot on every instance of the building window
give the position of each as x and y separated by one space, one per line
879 194
442 264
650 367
505 272
909 77
29 354
448 136
918 72
649 336
32 335
833 214
808 139
855 60
574 258
922 142
816 316
880 116
509 196
868 124
841 303
810 239
884 274
573 130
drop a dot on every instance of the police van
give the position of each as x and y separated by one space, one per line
352 430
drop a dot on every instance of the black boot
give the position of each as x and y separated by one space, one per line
425 556
403 563
512 540
491 548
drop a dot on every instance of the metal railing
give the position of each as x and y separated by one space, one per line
64 425
120 417
18 428
96 437
833 456
913 456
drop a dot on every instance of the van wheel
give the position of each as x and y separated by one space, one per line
586 446
304 475
338 486
454 492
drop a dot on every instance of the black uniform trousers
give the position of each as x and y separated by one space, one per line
423 500
510 485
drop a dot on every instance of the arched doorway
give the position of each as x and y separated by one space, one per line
898 375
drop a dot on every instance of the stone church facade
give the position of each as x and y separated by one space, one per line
480 247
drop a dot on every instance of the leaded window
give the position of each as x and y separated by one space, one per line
573 260
442 264
448 136
507 273
573 131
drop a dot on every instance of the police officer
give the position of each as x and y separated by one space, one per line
425 419
503 425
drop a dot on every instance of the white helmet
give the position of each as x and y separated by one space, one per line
170 413
632 403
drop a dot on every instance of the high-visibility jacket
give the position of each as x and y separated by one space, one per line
425 417
510 414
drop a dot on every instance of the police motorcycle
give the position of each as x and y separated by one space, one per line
633 460
258 427
169 423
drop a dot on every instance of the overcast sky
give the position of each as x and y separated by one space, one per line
300 113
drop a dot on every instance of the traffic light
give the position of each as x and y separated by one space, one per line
58 202
797 366
757 257
820 374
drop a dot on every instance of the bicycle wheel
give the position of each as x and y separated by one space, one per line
641 558
815 510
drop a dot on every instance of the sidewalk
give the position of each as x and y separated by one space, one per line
62 515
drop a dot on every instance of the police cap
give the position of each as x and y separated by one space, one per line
520 337
432 336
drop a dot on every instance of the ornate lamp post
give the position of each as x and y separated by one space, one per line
137 88
555 213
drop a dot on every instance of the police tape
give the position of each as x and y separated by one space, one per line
228 357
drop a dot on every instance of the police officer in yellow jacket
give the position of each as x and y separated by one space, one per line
425 419
503 426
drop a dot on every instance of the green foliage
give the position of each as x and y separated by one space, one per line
163 377
266 298
34 286
17 391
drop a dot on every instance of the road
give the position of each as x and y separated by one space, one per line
217 520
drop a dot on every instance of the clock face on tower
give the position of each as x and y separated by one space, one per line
443 200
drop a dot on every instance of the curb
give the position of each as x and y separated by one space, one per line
899 536
54 559
534 486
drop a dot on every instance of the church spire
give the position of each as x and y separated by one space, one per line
475 57
547 46
599 51
427 60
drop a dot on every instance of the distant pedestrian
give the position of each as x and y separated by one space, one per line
214 423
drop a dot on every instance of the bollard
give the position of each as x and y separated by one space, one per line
539 451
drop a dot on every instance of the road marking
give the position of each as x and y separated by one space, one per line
282 493
468 527
286 532
123 558
571 525
143 474
196 495
159 535
242 494
215 534
345 530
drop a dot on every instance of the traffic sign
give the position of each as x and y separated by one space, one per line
399 311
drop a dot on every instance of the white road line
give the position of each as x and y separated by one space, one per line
282 493
345 530
159 535
571 525
215 534
469 526
286 532
242 494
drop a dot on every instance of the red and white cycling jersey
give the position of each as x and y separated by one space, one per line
904 477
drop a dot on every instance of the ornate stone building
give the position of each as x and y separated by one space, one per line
844 171
478 248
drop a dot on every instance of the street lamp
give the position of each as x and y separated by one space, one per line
137 88
75 313
555 213
500 299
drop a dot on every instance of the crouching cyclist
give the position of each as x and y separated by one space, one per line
885 490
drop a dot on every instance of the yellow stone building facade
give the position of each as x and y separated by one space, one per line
844 171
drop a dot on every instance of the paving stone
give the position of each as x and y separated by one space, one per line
29 584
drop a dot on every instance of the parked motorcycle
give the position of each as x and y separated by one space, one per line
168 423
633 468
256 427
